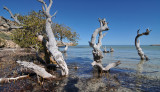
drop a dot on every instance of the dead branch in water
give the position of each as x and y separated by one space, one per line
97 53
137 44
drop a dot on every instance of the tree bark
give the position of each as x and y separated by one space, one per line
52 44
137 44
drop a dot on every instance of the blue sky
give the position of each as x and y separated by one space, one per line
125 17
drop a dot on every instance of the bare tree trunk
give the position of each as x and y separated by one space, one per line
52 44
97 53
137 44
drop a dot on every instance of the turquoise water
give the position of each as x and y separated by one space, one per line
82 56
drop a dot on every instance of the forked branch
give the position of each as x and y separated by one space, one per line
103 27
46 9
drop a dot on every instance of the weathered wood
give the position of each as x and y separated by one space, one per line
137 44
52 44
97 53
105 50
15 19
111 49
7 80
66 47
37 69
108 67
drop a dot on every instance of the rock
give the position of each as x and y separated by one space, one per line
11 44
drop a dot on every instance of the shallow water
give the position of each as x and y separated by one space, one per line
133 74
127 54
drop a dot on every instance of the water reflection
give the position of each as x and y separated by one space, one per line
140 66
139 83
65 55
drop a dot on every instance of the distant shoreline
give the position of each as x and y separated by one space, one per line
155 45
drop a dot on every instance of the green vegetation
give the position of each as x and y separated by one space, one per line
63 32
34 23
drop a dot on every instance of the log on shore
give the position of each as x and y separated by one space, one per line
37 69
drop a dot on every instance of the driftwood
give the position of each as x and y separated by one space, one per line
66 47
52 44
137 44
37 69
111 49
7 80
105 50
97 53
40 71
107 68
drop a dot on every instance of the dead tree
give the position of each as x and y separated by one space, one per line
137 44
31 66
52 44
97 53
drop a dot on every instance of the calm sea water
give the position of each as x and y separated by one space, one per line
82 56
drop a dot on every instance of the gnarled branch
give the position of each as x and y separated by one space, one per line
103 27
97 53
137 44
